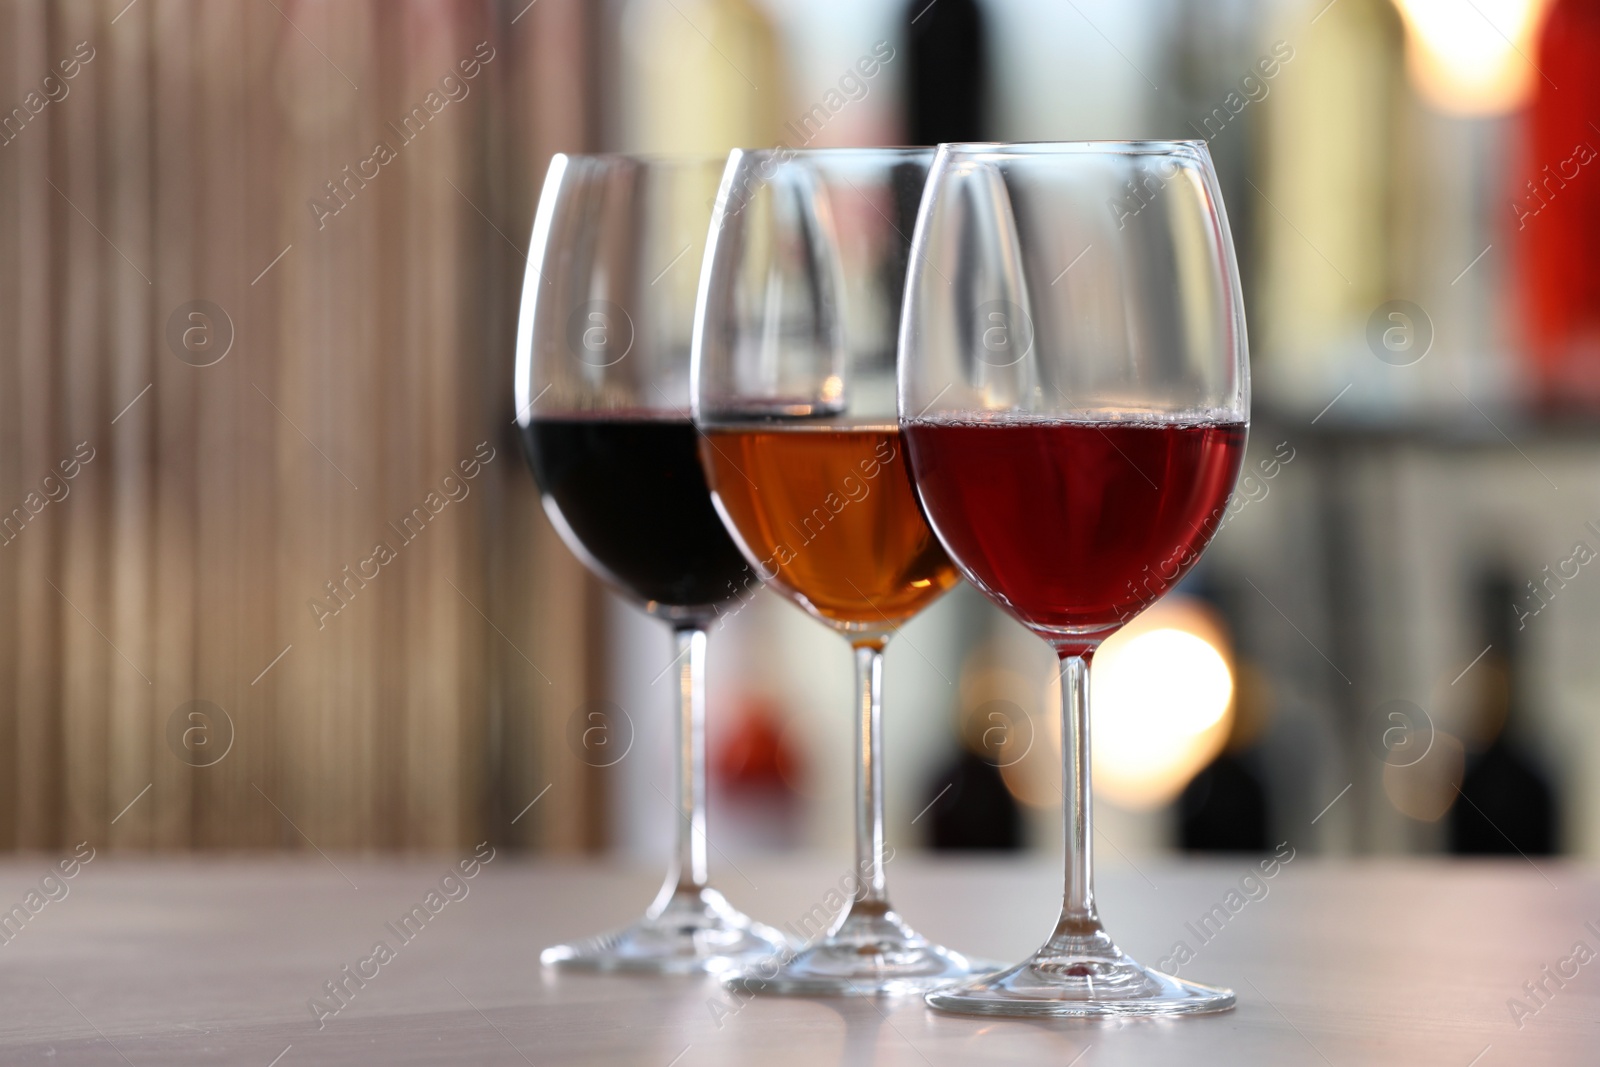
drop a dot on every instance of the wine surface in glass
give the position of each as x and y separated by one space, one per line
632 494
1075 526
831 515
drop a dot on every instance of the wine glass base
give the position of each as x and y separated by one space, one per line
868 955
1081 975
693 932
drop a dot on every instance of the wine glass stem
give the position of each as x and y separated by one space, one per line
1078 904
690 865
872 896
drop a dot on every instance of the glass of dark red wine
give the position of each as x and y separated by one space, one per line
1074 394
602 394
794 367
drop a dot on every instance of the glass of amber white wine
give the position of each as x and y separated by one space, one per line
794 380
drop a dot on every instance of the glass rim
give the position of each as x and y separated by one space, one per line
1035 149
652 160
836 152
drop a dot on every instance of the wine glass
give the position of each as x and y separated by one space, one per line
602 393
1074 393
794 357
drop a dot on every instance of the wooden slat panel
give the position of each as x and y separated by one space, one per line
263 234
173 403
12 51
85 258
126 446
371 359
39 611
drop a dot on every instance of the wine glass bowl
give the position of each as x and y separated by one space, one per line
1138 530
828 512
1074 393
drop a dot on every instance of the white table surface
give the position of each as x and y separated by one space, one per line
212 961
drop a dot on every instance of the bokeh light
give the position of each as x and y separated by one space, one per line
1472 59
1162 703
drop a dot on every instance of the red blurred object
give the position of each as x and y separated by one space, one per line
756 756
1556 210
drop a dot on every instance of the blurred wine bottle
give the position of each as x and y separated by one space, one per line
947 97
1328 237
1555 209
1511 806
947 79
698 76
972 810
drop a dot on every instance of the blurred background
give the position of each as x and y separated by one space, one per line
257 300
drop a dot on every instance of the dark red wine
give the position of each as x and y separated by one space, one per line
635 505
1074 527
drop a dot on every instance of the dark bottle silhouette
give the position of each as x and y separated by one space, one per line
1224 809
1507 805
977 812
946 98
947 76
1512 809
1227 807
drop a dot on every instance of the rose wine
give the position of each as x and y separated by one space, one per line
831 515
630 497
1075 526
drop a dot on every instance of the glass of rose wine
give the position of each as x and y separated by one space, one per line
602 394
1074 394
794 362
